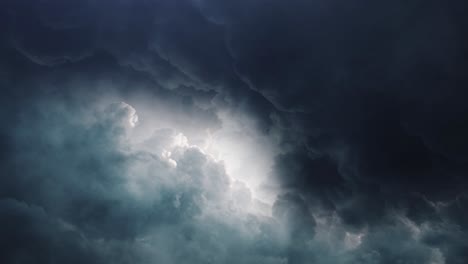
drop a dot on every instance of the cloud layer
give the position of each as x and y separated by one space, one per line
337 131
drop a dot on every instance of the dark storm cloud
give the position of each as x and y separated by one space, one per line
381 86
367 100
25 229
382 79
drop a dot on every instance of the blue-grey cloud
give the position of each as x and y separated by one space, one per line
353 112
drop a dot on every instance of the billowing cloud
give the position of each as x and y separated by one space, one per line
233 132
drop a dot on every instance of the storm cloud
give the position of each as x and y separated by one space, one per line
227 131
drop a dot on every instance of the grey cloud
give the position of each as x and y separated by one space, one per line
366 100
29 235
88 179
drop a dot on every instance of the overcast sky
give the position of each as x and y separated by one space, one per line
234 131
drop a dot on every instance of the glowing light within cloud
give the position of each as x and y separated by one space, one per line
245 156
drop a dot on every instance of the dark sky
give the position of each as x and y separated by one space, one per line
234 131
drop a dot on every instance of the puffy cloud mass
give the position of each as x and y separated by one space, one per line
201 131
79 184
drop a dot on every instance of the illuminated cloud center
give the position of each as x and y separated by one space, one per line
245 154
